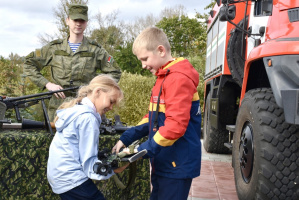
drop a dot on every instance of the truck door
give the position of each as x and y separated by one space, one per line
259 17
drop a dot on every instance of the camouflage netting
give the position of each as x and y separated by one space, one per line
23 165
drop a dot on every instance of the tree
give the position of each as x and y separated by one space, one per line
139 24
128 61
186 36
110 32
117 38
169 12
11 70
109 37
211 5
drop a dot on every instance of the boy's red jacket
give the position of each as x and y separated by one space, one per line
175 148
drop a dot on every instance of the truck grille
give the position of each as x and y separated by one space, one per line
294 15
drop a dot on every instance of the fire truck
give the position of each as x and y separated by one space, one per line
251 100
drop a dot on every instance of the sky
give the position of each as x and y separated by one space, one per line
22 21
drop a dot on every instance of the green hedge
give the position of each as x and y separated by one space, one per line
137 93
23 165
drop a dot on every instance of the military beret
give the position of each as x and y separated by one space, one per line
78 11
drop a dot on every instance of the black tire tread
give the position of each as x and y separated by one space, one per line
215 143
214 139
278 162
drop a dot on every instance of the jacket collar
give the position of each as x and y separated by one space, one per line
82 47
163 70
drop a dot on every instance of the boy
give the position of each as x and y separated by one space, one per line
174 120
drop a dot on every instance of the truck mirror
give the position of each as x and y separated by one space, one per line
218 2
212 13
222 14
227 13
231 12
262 31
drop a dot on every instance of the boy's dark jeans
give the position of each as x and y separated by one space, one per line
169 188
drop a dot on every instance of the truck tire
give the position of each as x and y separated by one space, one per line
234 58
213 139
265 150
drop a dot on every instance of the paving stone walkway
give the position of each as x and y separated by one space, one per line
216 181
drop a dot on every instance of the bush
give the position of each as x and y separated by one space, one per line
137 92
198 63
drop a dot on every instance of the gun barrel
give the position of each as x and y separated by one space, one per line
26 124
121 128
38 95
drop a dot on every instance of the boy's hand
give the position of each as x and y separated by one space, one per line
118 146
126 151
121 169
129 151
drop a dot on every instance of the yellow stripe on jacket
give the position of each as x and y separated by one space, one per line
162 108
195 97
162 141
153 107
174 62
143 121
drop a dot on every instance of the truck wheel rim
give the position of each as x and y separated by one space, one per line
246 152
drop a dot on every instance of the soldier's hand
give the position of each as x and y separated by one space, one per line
118 146
52 87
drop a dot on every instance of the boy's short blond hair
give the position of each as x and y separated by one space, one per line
150 38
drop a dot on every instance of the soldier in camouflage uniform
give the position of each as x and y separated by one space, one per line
69 68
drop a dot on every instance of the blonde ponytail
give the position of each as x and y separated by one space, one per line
104 82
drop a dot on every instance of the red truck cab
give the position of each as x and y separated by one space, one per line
251 101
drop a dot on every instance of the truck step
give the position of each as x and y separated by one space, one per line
228 145
231 128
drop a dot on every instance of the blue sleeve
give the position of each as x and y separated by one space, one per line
134 133
138 132
151 146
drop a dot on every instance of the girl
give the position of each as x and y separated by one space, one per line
74 148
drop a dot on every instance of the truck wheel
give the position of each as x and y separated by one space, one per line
234 58
265 150
213 139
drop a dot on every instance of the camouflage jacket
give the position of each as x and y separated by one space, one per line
67 67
